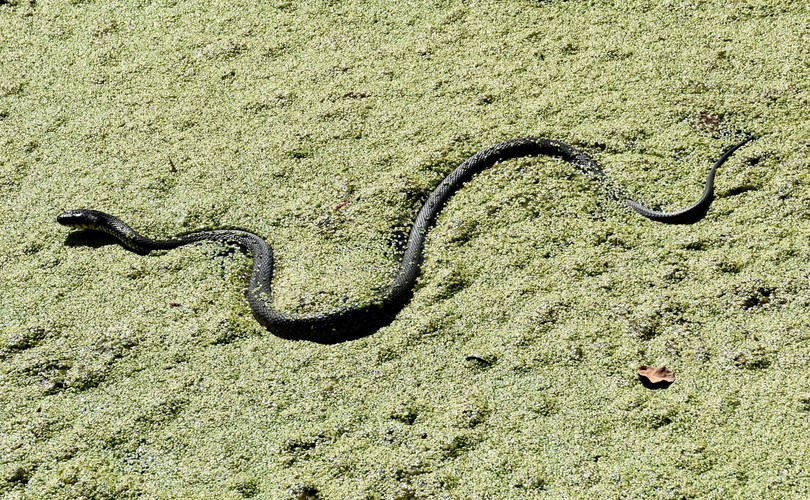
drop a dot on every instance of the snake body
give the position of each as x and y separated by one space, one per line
354 321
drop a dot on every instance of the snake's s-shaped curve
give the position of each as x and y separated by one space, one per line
355 321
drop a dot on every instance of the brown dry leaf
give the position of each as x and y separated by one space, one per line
656 374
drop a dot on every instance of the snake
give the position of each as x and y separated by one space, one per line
354 321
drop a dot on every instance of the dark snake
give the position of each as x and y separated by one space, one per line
355 321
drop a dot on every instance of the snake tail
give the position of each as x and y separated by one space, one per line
697 210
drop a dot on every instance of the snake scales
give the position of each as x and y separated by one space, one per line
351 322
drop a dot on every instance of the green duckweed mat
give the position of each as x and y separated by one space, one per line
322 126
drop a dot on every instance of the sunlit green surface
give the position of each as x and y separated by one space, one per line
123 375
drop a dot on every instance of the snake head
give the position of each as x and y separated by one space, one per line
96 220
81 219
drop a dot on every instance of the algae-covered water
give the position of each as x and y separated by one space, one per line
323 126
